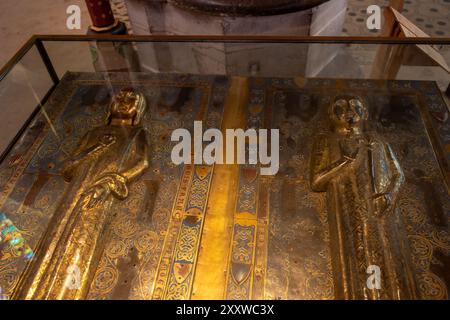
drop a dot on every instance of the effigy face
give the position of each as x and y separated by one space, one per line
224 230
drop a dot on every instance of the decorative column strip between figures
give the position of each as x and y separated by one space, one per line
262 230
211 273
264 101
176 270
242 258
164 271
179 283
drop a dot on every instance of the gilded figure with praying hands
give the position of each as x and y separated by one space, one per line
362 177
99 172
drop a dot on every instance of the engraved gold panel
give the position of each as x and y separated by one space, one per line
223 231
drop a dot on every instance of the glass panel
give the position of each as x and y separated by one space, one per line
70 56
356 183
247 59
20 94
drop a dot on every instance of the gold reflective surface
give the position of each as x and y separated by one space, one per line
94 208
362 178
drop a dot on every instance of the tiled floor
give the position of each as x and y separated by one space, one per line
42 17
432 16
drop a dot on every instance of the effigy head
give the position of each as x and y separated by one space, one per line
347 112
128 106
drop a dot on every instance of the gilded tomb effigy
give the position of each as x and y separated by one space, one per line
195 231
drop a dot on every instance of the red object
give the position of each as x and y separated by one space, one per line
101 13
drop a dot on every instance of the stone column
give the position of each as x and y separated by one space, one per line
102 17
110 56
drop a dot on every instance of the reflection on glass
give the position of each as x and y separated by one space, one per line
11 240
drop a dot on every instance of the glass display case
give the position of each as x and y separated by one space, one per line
118 178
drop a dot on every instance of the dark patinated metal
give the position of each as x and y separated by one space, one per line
247 7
